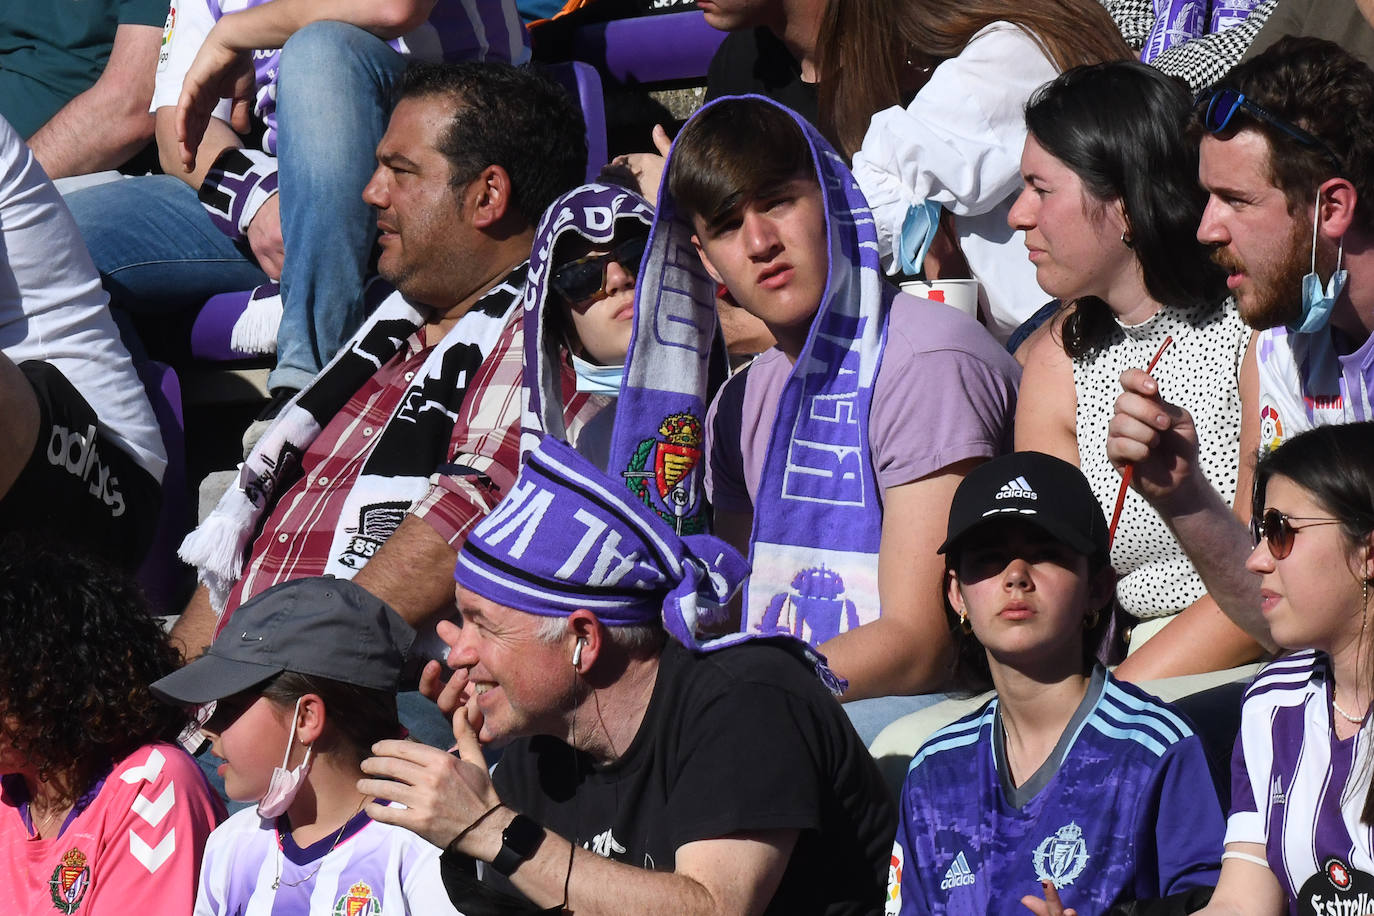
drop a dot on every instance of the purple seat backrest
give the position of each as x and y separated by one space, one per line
582 80
162 574
649 49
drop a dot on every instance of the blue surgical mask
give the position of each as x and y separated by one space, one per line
594 379
918 231
1317 303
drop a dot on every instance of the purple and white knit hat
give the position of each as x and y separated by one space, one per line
566 537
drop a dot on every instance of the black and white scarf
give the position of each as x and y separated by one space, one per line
395 474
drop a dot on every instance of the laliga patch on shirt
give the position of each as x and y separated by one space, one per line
893 905
1271 426
1337 890
167 30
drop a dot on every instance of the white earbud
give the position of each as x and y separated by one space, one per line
577 653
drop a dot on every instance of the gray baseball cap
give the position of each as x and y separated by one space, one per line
324 627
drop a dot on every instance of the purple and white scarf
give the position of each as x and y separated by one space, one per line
818 513
675 353
568 536
594 212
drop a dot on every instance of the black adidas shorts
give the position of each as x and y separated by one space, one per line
79 489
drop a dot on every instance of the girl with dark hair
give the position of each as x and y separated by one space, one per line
1110 209
926 96
1301 826
100 811
1065 778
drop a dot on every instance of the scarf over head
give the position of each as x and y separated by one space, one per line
675 353
818 513
594 212
568 537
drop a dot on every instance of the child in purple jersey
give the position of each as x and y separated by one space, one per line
1067 780
1300 837
310 666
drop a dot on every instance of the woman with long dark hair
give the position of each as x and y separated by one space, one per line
1110 208
1301 826
926 96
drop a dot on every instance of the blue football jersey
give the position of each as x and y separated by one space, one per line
1124 808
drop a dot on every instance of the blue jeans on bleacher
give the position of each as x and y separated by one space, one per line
158 252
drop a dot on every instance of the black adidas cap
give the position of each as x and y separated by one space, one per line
1039 489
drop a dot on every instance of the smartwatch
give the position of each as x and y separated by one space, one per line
519 841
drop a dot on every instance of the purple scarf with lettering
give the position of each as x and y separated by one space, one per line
568 536
593 212
818 513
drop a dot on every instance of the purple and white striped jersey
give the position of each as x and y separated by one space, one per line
456 30
1123 809
1298 789
1305 383
374 870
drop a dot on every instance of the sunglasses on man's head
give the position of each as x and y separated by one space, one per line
1224 103
583 282
1278 530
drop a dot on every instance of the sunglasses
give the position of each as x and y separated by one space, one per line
1224 104
583 282
1278 530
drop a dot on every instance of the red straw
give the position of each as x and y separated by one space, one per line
1129 470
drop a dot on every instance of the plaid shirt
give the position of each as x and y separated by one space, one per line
481 463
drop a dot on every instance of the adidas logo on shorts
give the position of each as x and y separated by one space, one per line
1016 489
958 874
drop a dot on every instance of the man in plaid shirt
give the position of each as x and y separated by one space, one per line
472 156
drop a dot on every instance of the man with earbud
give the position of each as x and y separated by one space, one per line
650 767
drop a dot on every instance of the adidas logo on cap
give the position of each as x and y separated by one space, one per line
1016 489
958 874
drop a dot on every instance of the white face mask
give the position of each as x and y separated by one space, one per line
1317 303
281 791
595 379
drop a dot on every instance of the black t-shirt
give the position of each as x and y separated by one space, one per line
742 739
756 61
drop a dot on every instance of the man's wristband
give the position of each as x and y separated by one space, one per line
519 842
236 187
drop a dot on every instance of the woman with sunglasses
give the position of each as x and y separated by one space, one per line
1300 836
583 267
1110 208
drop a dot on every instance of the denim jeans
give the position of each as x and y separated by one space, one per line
158 252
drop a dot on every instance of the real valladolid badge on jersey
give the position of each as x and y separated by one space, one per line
359 901
1061 856
70 881
664 473
1337 889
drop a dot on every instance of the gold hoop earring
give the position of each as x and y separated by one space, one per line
1091 620
964 626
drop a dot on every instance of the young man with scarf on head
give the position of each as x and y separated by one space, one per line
652 769
1287 155
831 452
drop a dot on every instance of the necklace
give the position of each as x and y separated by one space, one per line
278 882
1343 714
41 825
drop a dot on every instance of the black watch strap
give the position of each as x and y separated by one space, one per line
519 841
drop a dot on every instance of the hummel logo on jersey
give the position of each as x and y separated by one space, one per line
1016 489
958 874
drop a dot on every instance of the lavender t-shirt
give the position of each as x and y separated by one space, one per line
946 391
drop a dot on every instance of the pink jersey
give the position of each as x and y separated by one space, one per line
135 847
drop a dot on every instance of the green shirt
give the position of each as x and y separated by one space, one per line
53 50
